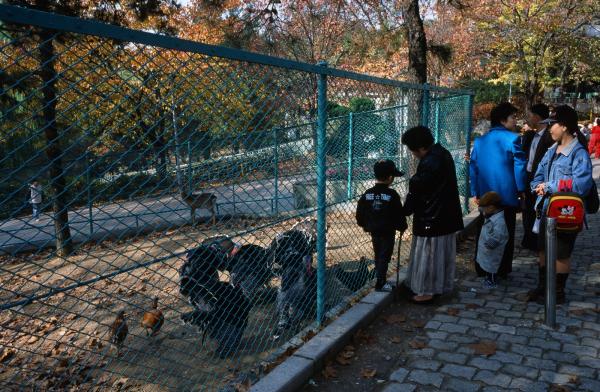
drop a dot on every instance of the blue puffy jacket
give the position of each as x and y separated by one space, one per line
498 164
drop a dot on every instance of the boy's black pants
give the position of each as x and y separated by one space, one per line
383 247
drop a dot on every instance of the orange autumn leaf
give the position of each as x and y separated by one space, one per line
453 311
486 348
417 344
368 373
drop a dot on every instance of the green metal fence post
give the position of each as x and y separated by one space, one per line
275 204
89 191
425 108
469 130
437 120
189 167
321 189
350 153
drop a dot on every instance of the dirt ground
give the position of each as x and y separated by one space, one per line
375 352
61 342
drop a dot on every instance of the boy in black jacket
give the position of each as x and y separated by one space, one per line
379 212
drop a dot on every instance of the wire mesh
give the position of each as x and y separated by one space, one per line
176 241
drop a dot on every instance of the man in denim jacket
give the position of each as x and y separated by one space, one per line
498 164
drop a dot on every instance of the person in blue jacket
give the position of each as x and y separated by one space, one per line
567 159
498 164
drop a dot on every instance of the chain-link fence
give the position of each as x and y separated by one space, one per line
193 206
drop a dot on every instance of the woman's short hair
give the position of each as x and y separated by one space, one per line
501 113
418 137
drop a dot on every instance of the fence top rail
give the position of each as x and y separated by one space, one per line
27 16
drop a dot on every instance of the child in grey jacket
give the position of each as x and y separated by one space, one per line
493 238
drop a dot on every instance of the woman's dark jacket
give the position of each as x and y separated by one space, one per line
433 195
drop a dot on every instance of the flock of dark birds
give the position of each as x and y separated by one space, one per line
221 309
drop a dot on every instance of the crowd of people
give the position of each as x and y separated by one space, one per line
511 172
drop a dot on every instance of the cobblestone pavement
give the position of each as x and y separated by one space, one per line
528 356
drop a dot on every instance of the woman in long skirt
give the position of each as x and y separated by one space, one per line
435 205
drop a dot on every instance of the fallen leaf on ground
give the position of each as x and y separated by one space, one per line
309 335
341 360
577 312
418 323
559 388
472 306
7 354
33 339
396 339
486 348
453 311
368 373
362 337
574 379
243 387
417 344
329 372
395 319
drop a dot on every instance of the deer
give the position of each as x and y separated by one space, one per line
203 200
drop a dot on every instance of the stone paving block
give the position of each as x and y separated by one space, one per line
473 323
499 380
399 375
498 305
581 305
568 321
508 313
589 385
578 370
462 339
505 357
493 389
459 371
554 377
532 332
445 318
485 364
426 378
524 384
580 350
433 325
590 342
547 364
484 334
502 329
442 345
460 359
453 328
560 356
437 335
526 350
521 371
426 364
422 353
459 385
512 339
546 344
586 333
395 387
589 362
564 337
519 322
471 314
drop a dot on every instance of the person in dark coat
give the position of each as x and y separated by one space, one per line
536 141
498 164
434 202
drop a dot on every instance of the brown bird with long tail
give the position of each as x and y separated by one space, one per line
153 319
119 331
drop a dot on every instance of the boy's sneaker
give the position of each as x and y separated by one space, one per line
488 284
385 288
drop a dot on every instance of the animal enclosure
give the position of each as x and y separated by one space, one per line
223 183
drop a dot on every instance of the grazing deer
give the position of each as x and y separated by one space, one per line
202 200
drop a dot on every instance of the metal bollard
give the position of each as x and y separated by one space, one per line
550 245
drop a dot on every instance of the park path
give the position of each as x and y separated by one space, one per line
134 217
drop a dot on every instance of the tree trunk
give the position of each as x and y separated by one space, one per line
64 245
417 59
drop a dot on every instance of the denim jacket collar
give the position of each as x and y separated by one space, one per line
568 149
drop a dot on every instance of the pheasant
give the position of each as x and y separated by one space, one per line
153 319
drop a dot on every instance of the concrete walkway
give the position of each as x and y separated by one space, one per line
137 216
528 356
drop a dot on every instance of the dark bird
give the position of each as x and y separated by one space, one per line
118 331
153 319
357 277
